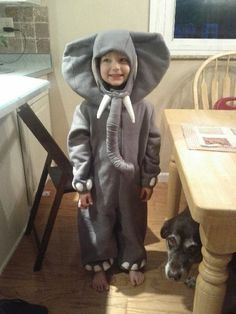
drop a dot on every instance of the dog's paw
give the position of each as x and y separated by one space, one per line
190 282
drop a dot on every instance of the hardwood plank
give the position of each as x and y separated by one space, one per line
64 287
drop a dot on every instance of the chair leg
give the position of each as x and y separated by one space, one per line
184 202
38 195
49 226
174 190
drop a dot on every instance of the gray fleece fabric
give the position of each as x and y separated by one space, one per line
114 227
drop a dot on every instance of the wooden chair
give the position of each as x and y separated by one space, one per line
214 80
60 174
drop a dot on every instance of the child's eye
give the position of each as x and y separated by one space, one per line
105 60
124 60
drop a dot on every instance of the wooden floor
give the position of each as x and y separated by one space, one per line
64 287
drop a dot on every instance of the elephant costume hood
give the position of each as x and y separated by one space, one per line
147 53
148 58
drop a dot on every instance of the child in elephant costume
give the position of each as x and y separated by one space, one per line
114 145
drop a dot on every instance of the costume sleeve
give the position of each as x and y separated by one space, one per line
80 150
151 161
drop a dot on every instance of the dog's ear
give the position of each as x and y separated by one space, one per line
165 229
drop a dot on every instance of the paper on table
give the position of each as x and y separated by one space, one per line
210 138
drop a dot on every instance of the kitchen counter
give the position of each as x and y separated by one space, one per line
18 83
33 65
17 90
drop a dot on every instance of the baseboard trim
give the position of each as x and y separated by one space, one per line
163 177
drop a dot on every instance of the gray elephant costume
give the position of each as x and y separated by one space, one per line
114 145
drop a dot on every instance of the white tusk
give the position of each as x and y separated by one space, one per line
129 108
105 101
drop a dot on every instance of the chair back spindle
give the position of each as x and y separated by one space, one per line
215 79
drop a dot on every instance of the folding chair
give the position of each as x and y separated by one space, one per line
61 176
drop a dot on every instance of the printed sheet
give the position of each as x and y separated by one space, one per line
210 138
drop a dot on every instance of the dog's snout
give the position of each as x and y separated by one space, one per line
174 272
174 275
177 277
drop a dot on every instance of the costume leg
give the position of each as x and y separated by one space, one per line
98 243
132 227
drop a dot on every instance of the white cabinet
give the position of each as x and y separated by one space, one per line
14 205
34 154
14 209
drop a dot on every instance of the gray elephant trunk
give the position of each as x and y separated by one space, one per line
112 140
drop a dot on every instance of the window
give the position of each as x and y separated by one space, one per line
193 27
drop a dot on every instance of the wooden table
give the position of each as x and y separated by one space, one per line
209 184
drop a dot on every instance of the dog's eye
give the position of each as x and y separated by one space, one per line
172 241
191 249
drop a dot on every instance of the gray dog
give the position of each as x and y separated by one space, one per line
183 247
184 251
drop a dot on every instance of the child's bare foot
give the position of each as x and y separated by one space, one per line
99 282
136 277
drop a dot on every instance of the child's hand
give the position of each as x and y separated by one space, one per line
85 200
146 193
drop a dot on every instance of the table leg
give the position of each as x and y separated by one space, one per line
211 283
174 190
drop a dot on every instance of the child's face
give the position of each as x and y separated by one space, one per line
114 68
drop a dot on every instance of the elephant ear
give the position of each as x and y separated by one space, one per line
76 68
153 61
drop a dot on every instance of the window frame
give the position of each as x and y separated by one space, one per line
161 20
